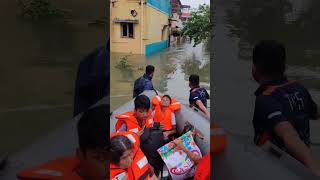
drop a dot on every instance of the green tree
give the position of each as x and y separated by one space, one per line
198 27
40 9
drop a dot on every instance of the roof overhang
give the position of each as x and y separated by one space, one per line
126 21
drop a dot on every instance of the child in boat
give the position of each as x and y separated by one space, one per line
164 108
135 121
127 159
202 164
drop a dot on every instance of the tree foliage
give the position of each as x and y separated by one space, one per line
38 9
198 27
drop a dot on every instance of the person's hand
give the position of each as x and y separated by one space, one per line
166 133
178 143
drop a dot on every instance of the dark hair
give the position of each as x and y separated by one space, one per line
118 145
166 95
269 56
149 69
194 80
93 129
142 102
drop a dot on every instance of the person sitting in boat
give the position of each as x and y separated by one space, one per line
164 108
90 159
283 108
198 95
127 160
218 142
135 121
202 164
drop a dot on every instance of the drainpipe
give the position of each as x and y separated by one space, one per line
142 25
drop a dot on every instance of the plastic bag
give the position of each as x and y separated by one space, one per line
180 166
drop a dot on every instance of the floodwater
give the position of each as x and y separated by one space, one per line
172 69
242 23
38 67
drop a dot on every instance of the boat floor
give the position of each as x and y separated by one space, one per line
243 160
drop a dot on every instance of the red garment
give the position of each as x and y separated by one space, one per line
203 169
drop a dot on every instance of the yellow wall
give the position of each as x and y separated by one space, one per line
155 20
121 10
153 24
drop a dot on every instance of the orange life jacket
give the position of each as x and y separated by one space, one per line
203 169
139 168
131 122
59 169
218 139
166 118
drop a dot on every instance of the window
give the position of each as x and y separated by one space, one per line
127 30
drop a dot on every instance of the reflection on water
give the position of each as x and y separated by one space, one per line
293 22
172 69
38 66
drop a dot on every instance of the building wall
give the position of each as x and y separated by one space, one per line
156 14
177 21
175 6
157 30
162 5
122 10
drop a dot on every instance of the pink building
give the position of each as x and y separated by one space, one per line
185 12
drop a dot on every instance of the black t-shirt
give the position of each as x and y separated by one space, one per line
289 101
198 94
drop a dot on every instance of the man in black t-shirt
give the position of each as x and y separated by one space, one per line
198 95
283 107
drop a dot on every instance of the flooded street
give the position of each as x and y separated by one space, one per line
172 69
242 23
38 67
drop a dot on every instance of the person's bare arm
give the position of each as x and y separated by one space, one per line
194 157
203 108
296 147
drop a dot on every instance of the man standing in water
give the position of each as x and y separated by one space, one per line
144 82
283 108
198 95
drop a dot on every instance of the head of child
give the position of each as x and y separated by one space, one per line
92 152
166 101
141 107
194 81
269 61
121 151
